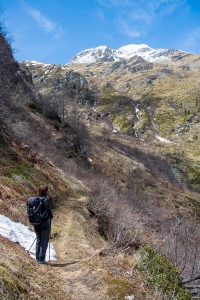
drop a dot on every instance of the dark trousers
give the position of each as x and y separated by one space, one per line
42 238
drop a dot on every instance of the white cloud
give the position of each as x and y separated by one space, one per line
44 22
193 38
140 14
128 29
148 11
164 7
41 20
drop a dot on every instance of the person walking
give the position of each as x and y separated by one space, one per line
43 229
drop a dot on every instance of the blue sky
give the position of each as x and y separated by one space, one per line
55 30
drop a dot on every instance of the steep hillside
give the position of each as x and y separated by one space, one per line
86 262
156 102
115 142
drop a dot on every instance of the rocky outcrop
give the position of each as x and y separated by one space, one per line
53 75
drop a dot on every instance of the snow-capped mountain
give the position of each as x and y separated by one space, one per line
106 54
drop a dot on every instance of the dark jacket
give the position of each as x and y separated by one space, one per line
46 210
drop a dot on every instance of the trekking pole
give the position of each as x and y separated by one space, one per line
32 245
49 240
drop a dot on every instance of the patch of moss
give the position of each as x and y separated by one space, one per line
118 288
123 124
35 106
164 115
113 100
7 180
150 97
22 169
194 174
159 273
21 288
11 287
177 159
164 118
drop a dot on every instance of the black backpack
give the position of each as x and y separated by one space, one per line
34 211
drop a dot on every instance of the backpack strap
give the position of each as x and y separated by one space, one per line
42 203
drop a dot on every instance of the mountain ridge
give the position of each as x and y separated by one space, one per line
105 54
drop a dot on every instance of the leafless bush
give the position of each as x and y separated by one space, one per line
181 244
134 179
7 65
19 97
114 215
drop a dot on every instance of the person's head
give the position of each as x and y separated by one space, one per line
43 190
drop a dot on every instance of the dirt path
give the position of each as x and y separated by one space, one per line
82 273
76 246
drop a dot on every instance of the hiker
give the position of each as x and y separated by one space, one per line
43 229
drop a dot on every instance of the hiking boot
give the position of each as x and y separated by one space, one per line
43 262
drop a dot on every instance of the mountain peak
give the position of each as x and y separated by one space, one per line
105 54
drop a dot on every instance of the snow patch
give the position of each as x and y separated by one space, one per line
137 111
19 233
162 139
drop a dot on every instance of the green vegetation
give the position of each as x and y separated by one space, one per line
11 287
119 107
177 159
22 169
151 97
119 288
122 123
35 106
164 118
194 174
159 273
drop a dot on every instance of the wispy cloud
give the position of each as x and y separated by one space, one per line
193 38
98 14
128 29
164 7
43 22
114 3
148 11
119 3
136 16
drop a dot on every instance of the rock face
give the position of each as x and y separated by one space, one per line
11 72
53 75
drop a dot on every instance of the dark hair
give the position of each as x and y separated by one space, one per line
43 190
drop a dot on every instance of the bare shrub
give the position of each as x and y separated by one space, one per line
115 218
181 244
